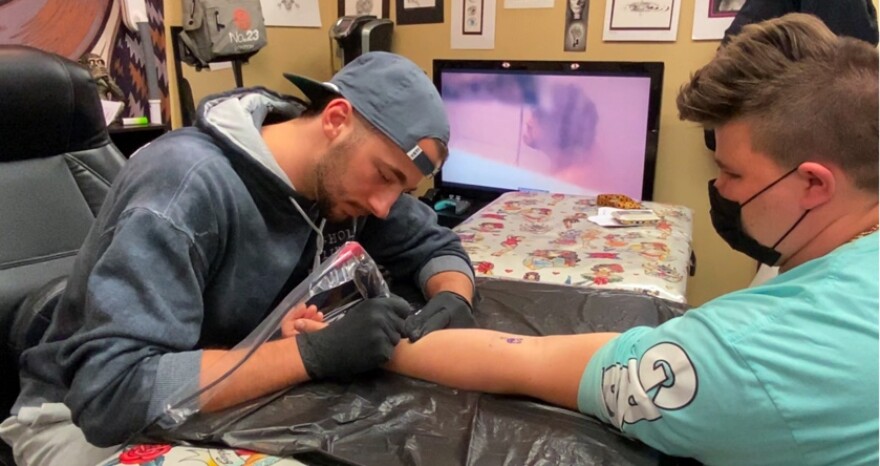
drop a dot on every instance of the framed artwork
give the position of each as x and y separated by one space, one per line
640 15
377 8
713 17
641 20
291 13
576 14
724 8
419 11
472 24
472 18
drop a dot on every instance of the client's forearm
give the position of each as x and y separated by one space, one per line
470 359
482 360
273 366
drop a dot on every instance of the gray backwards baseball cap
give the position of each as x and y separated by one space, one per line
394 95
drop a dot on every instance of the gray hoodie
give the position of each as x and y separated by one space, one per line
195 244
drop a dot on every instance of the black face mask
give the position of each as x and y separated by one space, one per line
727 220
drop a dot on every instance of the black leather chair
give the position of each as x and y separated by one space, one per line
56 165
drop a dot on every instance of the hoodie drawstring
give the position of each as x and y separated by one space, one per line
319 231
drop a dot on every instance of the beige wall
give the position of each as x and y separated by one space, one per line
684 165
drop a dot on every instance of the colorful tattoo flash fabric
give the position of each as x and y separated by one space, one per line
167 455
547 237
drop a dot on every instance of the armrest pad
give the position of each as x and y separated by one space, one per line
32 317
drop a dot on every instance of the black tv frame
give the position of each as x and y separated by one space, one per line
652 70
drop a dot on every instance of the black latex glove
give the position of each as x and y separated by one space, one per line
361 341
445 310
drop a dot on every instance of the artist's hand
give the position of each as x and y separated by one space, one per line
445 310
301 318
361 341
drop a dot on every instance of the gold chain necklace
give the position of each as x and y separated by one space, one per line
865 233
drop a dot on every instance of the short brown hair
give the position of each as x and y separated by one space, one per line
807 94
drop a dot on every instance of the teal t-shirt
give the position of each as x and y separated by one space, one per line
783 373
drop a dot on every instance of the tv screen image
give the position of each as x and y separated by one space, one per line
574 131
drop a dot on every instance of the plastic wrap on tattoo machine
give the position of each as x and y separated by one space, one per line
344 279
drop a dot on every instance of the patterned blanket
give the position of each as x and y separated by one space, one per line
547 237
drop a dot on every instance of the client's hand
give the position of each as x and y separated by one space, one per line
445 310
361 341
301 318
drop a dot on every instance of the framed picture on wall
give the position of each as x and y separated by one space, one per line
377 8
472 18
724 8
713 17
419 11
639 20
641 16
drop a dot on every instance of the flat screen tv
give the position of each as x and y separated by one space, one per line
563 127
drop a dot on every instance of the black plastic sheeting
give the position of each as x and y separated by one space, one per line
383 419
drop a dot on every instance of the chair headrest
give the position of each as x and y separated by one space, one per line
49 105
